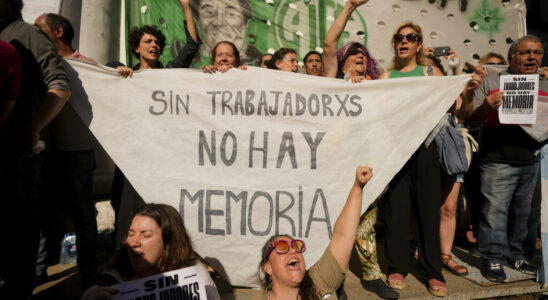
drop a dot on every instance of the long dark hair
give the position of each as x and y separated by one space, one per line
178 251
307 290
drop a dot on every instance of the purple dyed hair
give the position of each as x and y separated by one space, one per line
371 70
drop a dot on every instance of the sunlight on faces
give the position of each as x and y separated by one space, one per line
288 63
149 49
406 49
145 245
313 65
527 58
356 63
285 269
222 20
224 55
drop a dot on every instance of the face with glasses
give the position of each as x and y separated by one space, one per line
285 261
407 43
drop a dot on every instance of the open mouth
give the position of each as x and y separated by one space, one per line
137 254
404 50
293 263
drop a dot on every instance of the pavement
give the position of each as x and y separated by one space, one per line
64 280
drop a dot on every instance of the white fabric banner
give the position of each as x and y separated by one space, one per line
249 154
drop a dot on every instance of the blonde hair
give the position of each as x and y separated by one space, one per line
420 54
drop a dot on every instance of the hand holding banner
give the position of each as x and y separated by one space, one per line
248 154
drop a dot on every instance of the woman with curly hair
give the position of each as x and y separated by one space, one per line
282 269
148 42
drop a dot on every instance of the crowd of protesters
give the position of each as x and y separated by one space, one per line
418 208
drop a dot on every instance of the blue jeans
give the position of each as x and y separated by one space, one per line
507 191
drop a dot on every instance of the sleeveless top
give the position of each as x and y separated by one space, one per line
418 71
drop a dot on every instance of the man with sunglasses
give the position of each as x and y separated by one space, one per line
509 167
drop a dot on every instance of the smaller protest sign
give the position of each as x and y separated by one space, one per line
519 105
179 284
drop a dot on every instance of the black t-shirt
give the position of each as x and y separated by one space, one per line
509 145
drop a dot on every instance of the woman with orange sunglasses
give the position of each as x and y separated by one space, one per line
285 275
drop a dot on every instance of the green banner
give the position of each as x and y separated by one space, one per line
255 26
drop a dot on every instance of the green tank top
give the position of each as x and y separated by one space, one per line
418 71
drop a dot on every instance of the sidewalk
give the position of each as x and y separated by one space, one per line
65 284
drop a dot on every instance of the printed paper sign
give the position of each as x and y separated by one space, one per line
519 104
179 284
245 155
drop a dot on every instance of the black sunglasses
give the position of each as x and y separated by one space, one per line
412 37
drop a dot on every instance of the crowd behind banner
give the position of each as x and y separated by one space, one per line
46 155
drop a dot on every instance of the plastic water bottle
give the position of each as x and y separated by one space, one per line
68 249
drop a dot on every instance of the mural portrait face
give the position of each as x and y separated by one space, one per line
223 20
